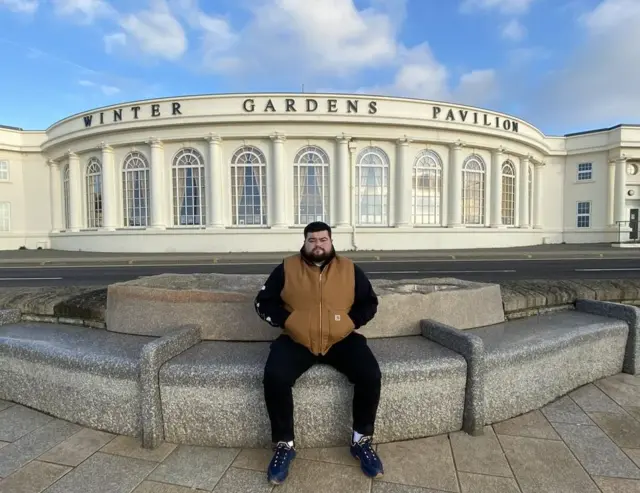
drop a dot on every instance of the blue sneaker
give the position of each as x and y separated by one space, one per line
370 463
279 465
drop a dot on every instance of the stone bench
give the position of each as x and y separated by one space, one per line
521 365
182 389
87 376
212 394
222 305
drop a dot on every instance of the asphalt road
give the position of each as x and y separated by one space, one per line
475 270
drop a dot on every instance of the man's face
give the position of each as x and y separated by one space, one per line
318 246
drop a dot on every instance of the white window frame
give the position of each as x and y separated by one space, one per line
585 174
583 214
5 174
5 217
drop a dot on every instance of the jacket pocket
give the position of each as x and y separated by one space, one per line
340 325
298 326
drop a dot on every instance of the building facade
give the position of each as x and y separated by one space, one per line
235 173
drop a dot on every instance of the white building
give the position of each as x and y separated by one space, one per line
246 172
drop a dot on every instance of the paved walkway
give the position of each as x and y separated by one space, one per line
588 441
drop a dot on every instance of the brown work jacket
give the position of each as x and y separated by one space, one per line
319 300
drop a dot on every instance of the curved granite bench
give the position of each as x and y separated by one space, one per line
87 376
212 395
521 365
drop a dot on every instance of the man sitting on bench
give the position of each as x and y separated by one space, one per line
319 298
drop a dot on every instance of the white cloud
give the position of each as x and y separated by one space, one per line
295 41
478 87
599 84
319 38
507 7
86 11
20 6
111 41
514 30
420 75
155 31
107 90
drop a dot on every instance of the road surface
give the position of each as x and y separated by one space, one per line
475 270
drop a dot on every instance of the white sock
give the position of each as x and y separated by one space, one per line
356 437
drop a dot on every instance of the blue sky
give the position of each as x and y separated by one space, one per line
563 65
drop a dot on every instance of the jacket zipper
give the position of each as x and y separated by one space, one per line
320 285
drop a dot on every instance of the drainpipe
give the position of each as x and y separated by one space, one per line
352 165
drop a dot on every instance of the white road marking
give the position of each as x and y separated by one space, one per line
200 263
607 270
30 278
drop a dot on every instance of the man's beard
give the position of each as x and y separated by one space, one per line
318 257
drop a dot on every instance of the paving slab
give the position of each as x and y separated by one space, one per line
78 448
545 466
33 478
307 475
27 448
597 452
623 429
17 421
617 485
480 483
532 424
623 391
565 410
104 473
242 481
591 399
195 467
480 454
426 462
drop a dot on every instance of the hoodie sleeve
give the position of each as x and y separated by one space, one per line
268 303
365 305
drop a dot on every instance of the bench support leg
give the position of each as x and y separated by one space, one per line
153 356
471 348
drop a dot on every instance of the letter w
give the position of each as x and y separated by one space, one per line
87 120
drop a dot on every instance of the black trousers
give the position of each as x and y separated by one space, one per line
288 360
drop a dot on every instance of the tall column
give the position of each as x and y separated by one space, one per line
75 192
109 200
55 188
404 189
497 158
524 191
611 192
455 186
156 186
215 186
343 202
537 195
278 182
620 212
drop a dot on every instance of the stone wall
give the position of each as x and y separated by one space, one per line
87 305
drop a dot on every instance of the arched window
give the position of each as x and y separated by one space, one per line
473 186
372 178
508 194
66 197
189 191
135 190
311 185
249 187
427 188
93 193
